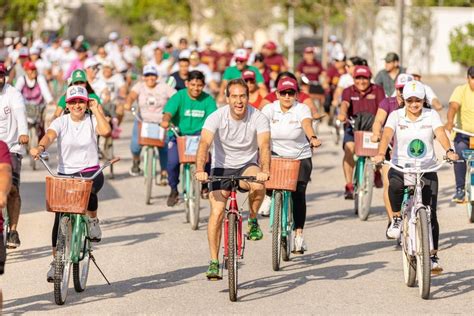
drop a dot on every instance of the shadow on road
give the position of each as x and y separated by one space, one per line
451 239
125 221
453 284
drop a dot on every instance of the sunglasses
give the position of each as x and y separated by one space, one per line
290 93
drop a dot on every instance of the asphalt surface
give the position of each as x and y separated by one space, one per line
156 263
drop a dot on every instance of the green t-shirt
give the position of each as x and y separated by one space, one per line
188 114
62 100
233 72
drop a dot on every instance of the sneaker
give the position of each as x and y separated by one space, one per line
212 272
300 245
435 265
173 198
459 196
386 231
95 233
205 193
253 229
135 170
395 228
378 179
163 179
349 192
13 240
264 209
50 274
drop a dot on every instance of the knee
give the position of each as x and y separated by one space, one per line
257 189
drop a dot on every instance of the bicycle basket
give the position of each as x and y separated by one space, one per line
187 148
151 134
283 174
363 145
67 195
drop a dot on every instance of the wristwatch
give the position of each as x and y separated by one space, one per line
450 150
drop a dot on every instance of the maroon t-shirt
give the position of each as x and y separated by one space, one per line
389 105
367 101
312 71
275 62
210 58
333 76
272 97
266 77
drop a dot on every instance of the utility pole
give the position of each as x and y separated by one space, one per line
291 34
400 5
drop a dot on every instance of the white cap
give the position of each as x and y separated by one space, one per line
66 44
150 70
24 40
248 44
34 50
113 36
7 41
414 89
332 38
241 54
184 54
159 45
415 71
91 62
38 44
76 92
80 38
208 40
402 80
108 63
339 56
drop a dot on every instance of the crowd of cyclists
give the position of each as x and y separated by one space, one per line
245 104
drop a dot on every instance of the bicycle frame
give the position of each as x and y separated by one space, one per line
233 209
286 197
77 245
359 170
145 161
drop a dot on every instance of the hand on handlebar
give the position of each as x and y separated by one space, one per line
36 152
378 159
375 138
262 176
201 176
23 139
165 124
342 117
452 156
315 142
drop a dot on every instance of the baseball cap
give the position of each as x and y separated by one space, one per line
270 45
29 65
90 63
241 54
391 57
76 92
248 44
108 63
34 51
362 71
66 44
3 69
340 56
287 84
7 41
415 71
113 36
78 75
150 70
248 75
24 52
309 50
402 80
414 89
184 54
332 38
208 40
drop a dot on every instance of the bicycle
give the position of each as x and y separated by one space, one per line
34 116
6 218
416 235
468 155
69 195
234 241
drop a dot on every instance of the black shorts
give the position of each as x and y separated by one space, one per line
316 89
16 168
226 184
3 254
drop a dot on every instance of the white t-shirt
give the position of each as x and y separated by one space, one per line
77 143
13 121
414 139
287 134
345 81
163 69
114 84
67 58
235 141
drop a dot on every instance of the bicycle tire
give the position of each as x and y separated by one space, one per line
109 154
365 190
149 174
469 203
287 243
62 267
470 211
194 200
276 230
80 270
232 257
33 143
423 262
409 263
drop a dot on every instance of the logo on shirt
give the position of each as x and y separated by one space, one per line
370 97
7 110
355 98
194 113
416 149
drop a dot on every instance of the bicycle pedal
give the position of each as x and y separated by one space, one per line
215 278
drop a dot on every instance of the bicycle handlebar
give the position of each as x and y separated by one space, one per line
232 178
415 169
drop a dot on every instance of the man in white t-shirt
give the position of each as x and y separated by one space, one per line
431 97
13 131
240 136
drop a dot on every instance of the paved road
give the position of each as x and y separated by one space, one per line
156 264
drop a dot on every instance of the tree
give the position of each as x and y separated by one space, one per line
18 14
461 45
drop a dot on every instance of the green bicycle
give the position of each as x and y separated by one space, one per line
69 195
468 155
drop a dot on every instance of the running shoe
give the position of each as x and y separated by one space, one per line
395 227
264 209
50 274
95 233
173 198
135 170
349 192
300 245
13 240
212 272
253 229
386 231
459 196
435 265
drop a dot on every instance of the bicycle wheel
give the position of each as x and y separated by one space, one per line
287 242
232 257
365 188
423 262
62 261
469 202
80 270
194 198
149 177
409 264
276 230
33 143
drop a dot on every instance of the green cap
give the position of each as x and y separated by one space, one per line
78 75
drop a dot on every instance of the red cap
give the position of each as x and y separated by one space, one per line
29 65
248 75
287 84
362 71
270 45
309 50
3 69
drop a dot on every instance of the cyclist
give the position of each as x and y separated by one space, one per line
188 109
152 96
181 75
386 77
76 133
312 69
14 132
414 128
291 128
241 138
255 97
347 80
330 78
276 61
387 106
362 98
265 71
461 105
117 88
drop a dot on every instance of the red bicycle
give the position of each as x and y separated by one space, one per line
234 241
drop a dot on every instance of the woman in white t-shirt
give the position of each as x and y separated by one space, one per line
414 128
76 134
291 128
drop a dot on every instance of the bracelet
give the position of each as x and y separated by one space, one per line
450 150
315 137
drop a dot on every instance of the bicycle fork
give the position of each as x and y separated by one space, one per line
240 240
145 161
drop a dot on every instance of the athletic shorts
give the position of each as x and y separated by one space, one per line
226 184
16 168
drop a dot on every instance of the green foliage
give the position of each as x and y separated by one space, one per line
443 3
461 45
14 14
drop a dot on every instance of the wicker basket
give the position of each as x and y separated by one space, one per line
364 147
148 141
67 195
283 174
